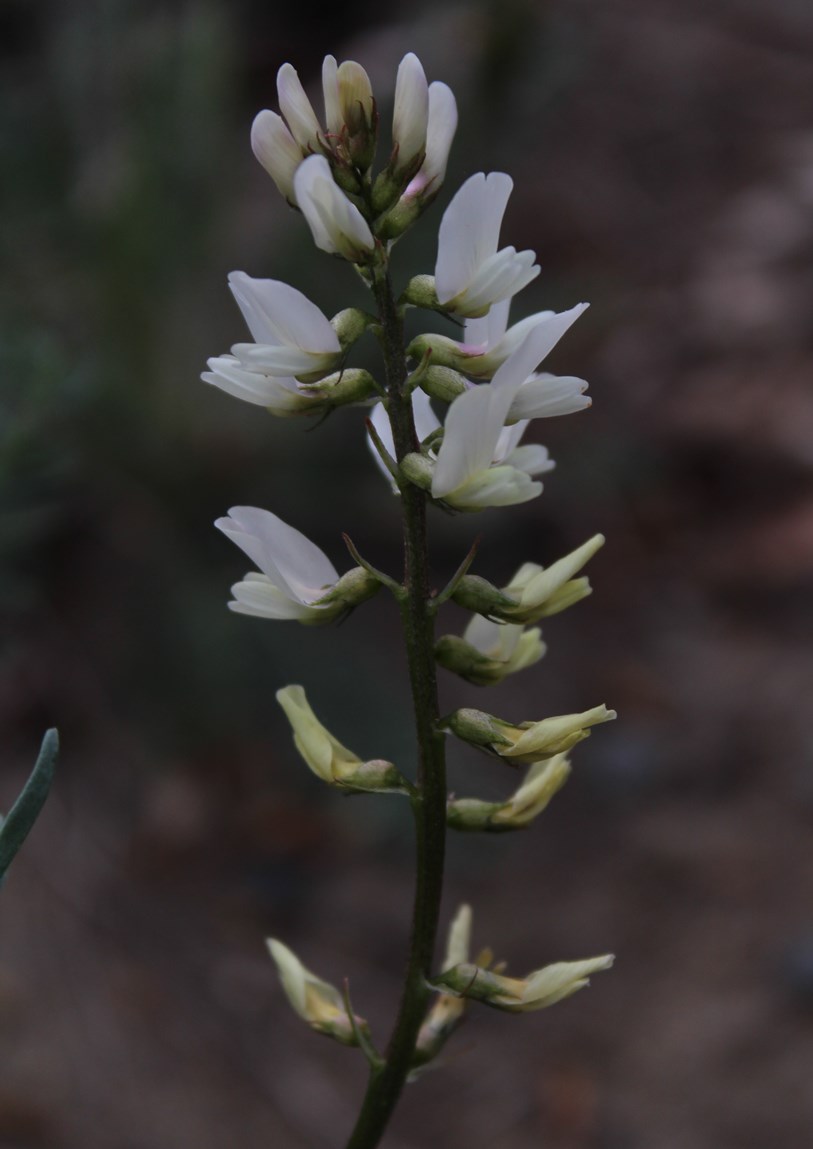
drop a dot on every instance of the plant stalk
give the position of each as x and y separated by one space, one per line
429 801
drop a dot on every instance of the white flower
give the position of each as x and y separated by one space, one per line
440 132
296 576
317 1002
480 463
544 779
426 421
509 644
411 114
538 990
470 273
281 397
489 341
348 97
543 591
292 336
277 151
297 109
336 224
324 754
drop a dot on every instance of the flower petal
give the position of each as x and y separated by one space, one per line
297 109
277 313
470 435
470 231
290 560
411 114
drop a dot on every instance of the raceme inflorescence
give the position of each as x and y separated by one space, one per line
445 420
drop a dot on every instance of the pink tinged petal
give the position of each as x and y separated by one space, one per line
277 313
277 151
336 224
283 553
470 436
470 231
330 90
545 396
411 114
297 109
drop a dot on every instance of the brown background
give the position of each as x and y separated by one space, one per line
663 159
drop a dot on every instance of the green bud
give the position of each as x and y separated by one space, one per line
477 727
480 596
350 325
345 388
393 223
443 383
418 470
459 656
354 587
420 292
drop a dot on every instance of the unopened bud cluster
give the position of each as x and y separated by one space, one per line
485 373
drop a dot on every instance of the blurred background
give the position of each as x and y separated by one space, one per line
663 159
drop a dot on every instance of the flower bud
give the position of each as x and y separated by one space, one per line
410 118
440 132
337 225
543 780
418 470
530 741
350 111
489 651
478 595
277 151
355 587
420 292
317 1002
298 110
447 1010
543 591
327 757
344 388
477 727
349 325
443 383
538 990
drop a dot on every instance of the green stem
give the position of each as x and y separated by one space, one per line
429 800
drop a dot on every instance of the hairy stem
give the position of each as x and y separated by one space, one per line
429 801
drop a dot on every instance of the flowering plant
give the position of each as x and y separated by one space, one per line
297 366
